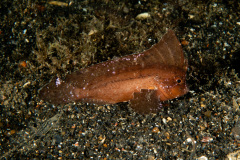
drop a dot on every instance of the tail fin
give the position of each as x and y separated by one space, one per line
57 92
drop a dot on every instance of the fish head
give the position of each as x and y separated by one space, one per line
173 87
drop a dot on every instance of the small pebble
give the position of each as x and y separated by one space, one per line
143 16
155 130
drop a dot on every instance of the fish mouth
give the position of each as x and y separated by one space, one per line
178 92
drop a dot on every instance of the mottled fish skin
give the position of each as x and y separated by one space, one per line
145 79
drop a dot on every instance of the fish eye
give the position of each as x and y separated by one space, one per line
178 81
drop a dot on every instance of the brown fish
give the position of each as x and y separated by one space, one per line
145 79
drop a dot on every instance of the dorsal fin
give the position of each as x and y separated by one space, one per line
168 51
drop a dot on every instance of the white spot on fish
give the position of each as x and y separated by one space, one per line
58 81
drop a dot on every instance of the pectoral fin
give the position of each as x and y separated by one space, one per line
146 101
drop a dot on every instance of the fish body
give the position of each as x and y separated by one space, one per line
145 79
